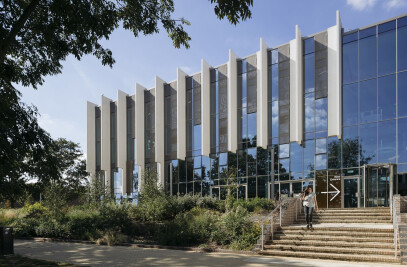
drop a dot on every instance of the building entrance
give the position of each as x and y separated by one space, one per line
351 192
379 184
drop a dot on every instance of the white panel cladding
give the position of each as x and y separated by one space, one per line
205 108
122 136
296 88
139 127
232 102
262 105
181 114
335 79
105 140
91 139
159 129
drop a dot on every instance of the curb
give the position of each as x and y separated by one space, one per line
203 250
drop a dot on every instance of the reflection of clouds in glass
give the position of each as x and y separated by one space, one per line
284 151
320 162
309 113
321 114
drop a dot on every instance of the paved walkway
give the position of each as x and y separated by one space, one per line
93 255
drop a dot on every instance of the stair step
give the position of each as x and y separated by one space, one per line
331 238
331 256
335 233
340 229
346 221
332 244
324 249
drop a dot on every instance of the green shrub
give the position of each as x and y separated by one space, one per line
255 204
36 209
112 237
50 227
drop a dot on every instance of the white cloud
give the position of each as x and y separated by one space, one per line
186 69
390 4
361 4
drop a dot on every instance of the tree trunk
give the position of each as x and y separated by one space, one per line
16 28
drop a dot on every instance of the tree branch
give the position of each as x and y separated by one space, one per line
17 26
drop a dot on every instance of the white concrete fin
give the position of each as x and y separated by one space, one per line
205 108
296 88
159 128
335 79
181 114
139 127
122 136
91 138
232 102
262 90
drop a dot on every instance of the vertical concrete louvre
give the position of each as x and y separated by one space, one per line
91 139
262 105
206 108
181 114
105 141
139 131
122 137
335 79
296 88
159 129
232 102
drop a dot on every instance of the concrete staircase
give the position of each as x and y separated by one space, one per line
339 234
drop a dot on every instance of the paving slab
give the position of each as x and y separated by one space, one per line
93 255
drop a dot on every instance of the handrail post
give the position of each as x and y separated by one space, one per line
272 227
281 211
262 237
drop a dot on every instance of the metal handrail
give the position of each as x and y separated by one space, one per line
270 217
395 226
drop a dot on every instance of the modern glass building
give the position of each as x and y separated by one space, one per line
327 110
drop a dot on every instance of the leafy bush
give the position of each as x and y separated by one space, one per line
112 237
255 204
35 209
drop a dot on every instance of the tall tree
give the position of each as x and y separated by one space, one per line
36 35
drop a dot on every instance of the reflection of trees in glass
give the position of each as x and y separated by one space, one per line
350 154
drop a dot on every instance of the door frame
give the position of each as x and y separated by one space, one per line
392 179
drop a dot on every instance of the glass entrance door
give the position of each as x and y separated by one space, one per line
379 184
350 188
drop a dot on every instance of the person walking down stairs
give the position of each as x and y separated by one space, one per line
309 199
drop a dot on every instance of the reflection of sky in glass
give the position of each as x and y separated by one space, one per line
309 113
321 113
284 151
320 162
117 176
274 120
320 146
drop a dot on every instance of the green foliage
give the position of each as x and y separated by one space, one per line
255 204
36 209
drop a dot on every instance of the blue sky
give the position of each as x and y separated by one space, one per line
61 101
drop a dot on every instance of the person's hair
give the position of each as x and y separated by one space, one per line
306 190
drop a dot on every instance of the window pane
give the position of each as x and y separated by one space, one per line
309 113
252 126
296 157
320 162
320 146
309 152
321 114
387 141
350 147
309 45
350 62
284 165
387 97
402 141
402 48
402 94
274 119
387 52
274 82
367 58
350 104
368 101
284 151
309 72
368 143
334 153
197 137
